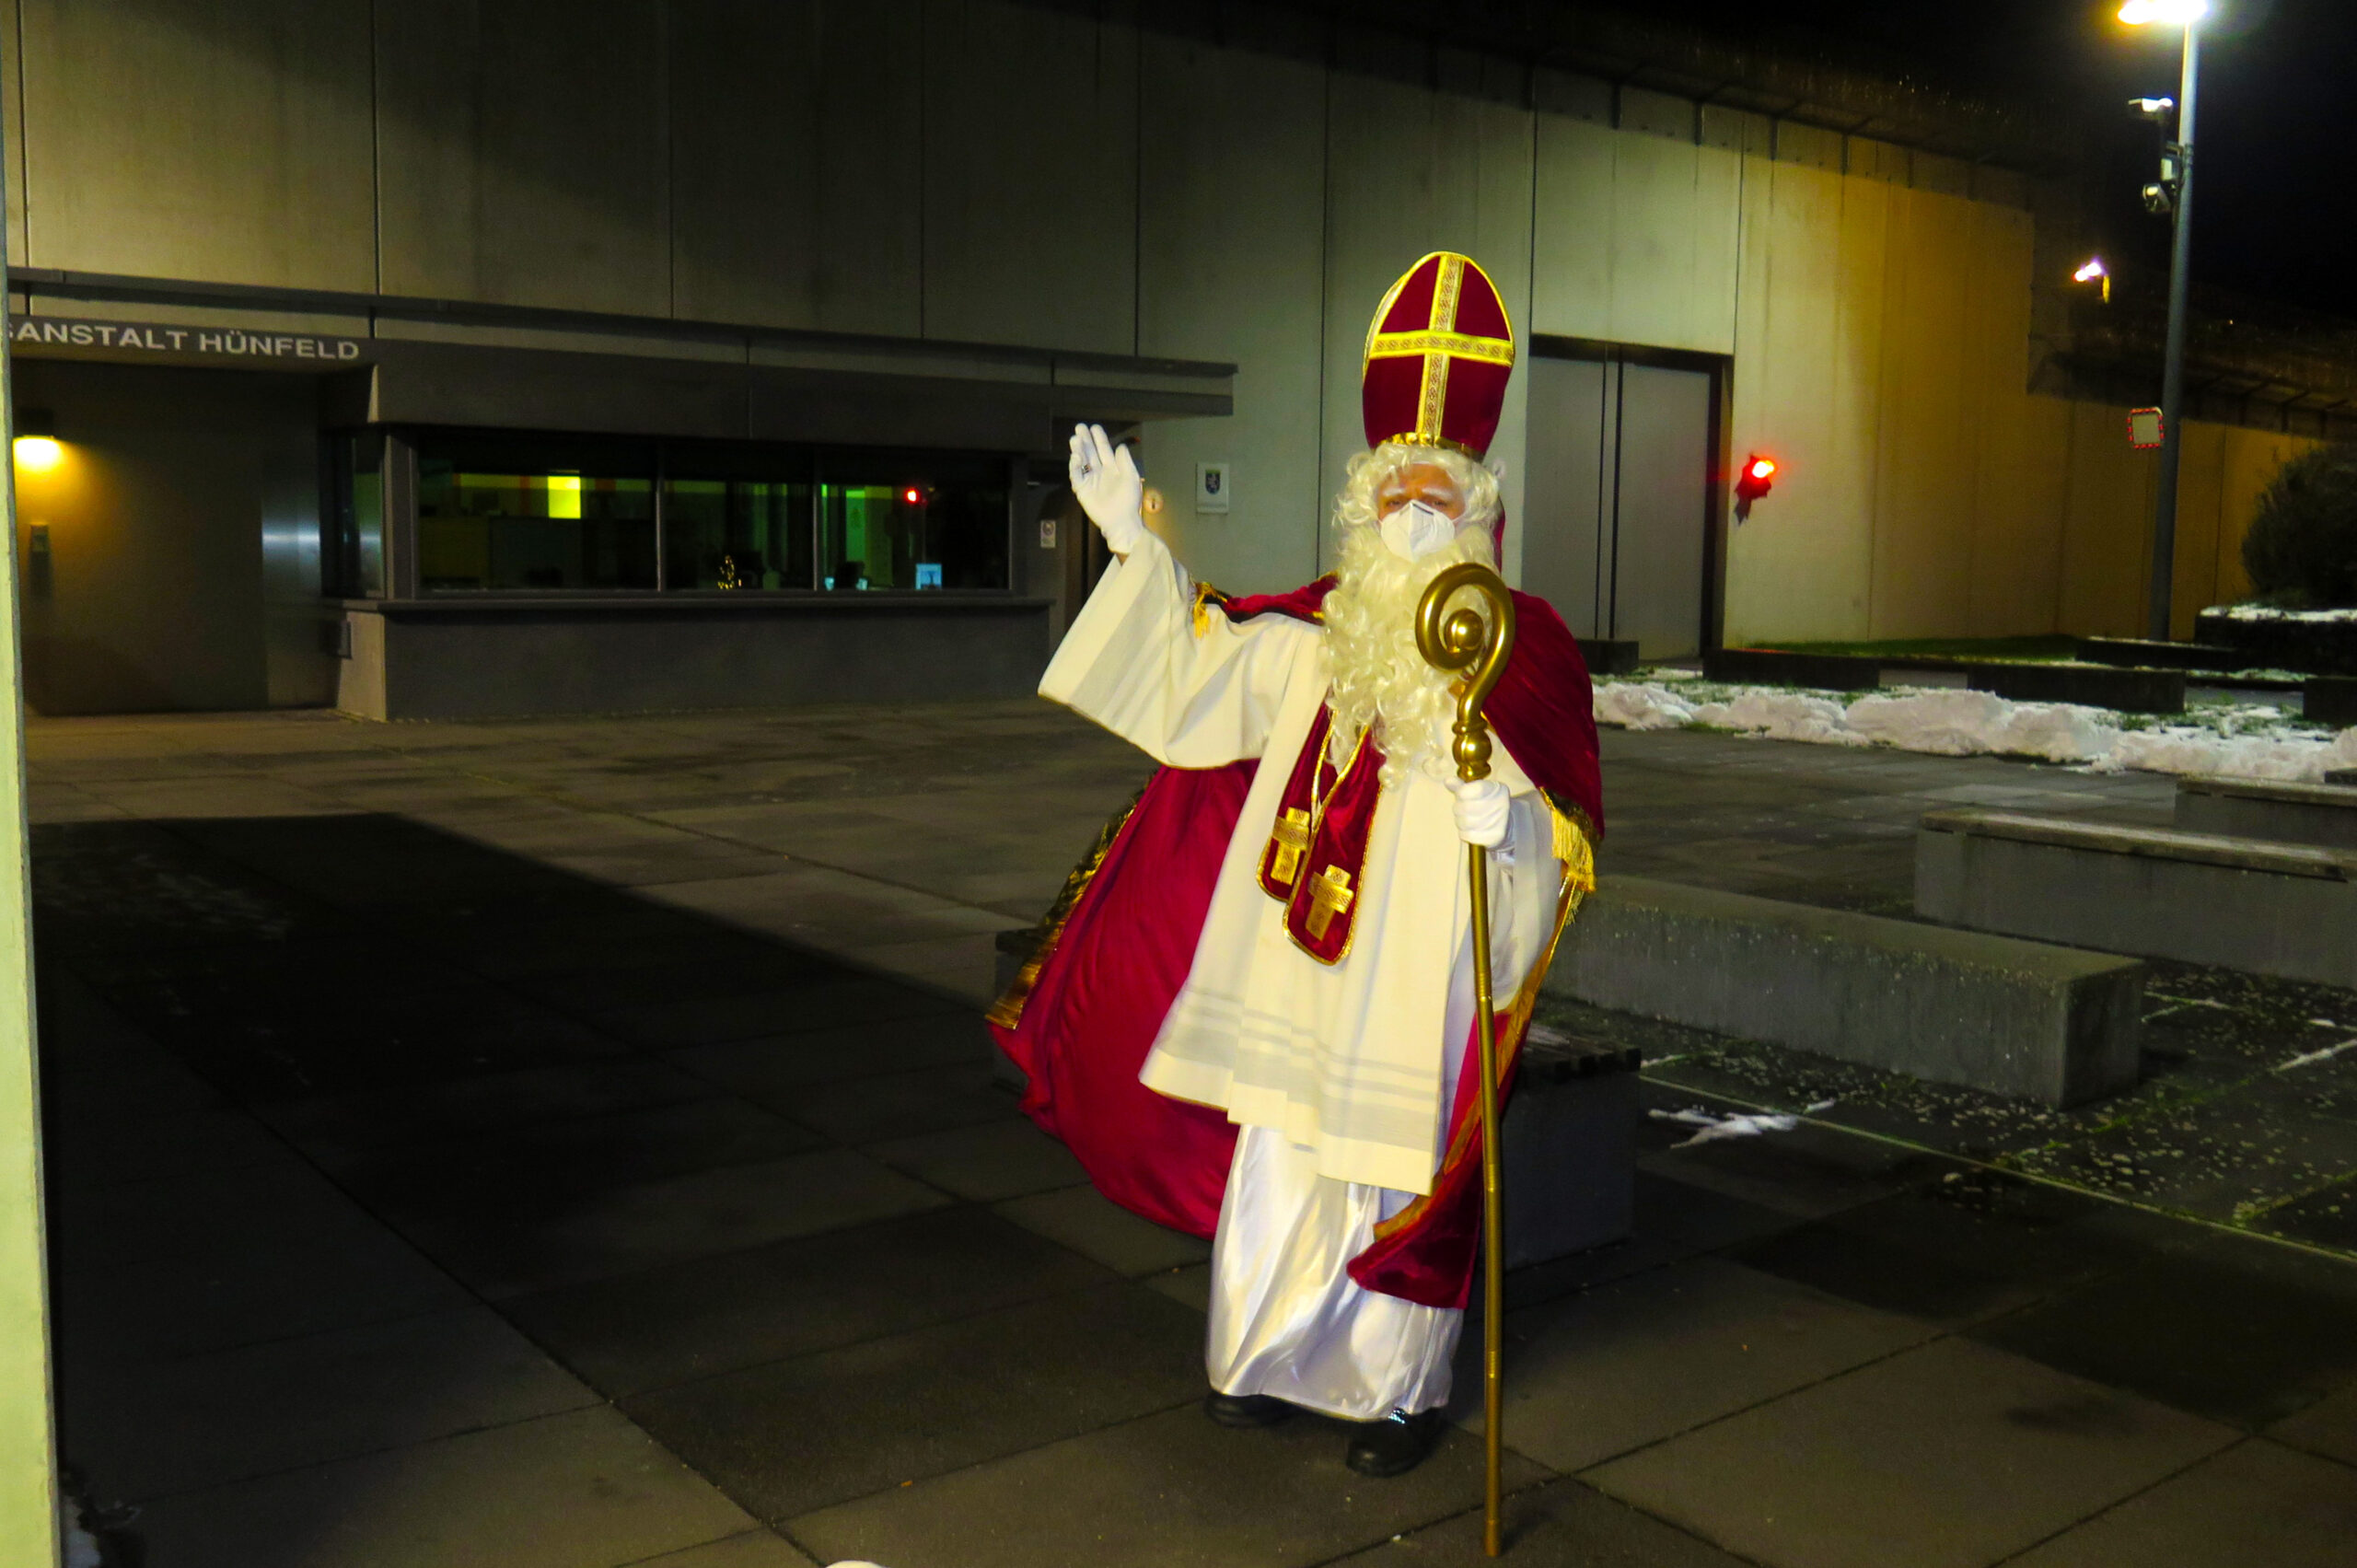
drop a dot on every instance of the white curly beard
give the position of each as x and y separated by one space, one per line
1379 677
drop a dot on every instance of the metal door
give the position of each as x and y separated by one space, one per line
1619 497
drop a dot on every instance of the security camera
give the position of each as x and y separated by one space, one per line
2159 200
2152 108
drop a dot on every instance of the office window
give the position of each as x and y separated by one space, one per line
912 520
735 519
518 514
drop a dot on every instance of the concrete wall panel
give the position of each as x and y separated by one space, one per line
1231 256
129 105
154 595
797 163
12 130
1636 237
1807 360
1411 171
1030 187
524 151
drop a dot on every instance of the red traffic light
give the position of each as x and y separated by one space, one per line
1759 476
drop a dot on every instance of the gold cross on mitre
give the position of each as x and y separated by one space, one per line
1330 894
1291 838
1435 342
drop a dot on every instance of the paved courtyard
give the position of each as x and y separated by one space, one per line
574 1144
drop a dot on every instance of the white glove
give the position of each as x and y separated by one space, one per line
1481 809
1105 481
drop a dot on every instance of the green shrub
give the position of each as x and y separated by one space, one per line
2301 551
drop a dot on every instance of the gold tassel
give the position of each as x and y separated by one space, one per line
1578 855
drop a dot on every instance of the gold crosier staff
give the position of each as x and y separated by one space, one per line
1460 642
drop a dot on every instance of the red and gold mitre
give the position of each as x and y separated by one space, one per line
1438 358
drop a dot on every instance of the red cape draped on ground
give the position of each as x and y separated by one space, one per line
1082 1018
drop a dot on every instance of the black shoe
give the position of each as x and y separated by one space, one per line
1245 1410
1395 1445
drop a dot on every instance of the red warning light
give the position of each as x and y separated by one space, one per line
913 496
1757 478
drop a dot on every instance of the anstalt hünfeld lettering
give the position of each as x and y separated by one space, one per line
221 342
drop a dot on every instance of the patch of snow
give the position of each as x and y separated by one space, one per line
2253 741
2311 1058
2268 612
1749 1125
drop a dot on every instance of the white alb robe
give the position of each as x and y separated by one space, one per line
1341 1076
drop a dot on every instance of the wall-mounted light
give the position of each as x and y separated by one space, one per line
38 454
36 448
2094 272
1758 477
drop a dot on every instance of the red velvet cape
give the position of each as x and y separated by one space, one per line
1081 1018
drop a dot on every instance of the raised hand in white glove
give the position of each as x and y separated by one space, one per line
1105 481
1481 808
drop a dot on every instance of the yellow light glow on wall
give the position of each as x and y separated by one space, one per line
564 495
38 454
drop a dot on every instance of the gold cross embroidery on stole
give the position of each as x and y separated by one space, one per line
1331 894
1291 836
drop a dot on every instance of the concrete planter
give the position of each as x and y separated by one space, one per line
2316 647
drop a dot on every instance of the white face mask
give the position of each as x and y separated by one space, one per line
1417 530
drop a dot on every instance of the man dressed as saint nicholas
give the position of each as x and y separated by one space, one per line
1251 1017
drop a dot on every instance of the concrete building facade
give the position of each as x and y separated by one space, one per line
282 268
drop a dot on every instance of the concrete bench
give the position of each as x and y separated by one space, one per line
2096 686
1571 1149
1609 656
2258 809
2015 1018
1570 1142
2199 898
1771 667
2329 699
2161 655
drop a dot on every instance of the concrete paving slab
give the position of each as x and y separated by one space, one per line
1096 1228
778 1067
754 1548
996 1159
150 1430
965 967
582 1490
336 1129
794 1436
899 1105
681 1321
627 1228
1645 1359
2234 1329
561 1162
2255 1503
831 1003
1561 1524
1172 1491
2327 1427
1190 1285
2016 1453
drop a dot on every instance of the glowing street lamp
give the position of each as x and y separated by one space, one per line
2094 272
2172 194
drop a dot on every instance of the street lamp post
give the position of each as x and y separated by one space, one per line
2177 179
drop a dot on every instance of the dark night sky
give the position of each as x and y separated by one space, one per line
2277 132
